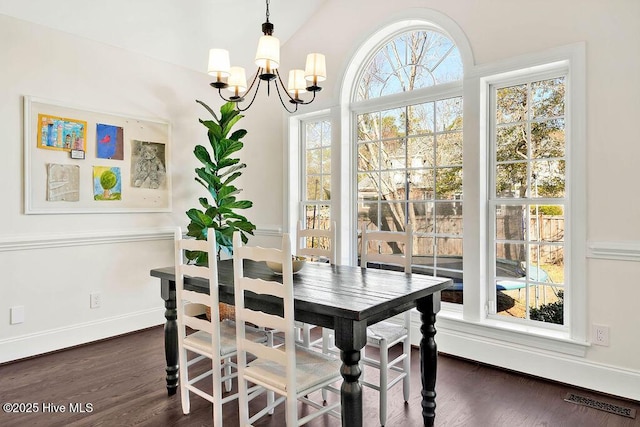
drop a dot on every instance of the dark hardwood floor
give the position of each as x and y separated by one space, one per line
121 382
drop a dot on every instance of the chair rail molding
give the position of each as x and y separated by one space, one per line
621 250
56 240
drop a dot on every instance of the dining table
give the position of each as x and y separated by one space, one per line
344 298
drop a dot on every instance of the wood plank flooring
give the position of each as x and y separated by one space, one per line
124 381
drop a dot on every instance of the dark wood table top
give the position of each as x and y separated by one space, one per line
323 292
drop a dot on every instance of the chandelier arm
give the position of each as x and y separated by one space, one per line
284 88
255 93
310 101
282 101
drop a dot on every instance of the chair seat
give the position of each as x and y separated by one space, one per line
201 340
385 330
312 368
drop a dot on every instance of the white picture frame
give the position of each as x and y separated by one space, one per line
45 122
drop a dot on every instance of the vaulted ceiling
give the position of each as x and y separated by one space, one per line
176 31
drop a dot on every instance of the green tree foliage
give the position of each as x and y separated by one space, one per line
219 170
550 313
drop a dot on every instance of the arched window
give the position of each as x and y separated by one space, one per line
407 107
412 60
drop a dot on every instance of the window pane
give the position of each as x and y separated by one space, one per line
449 149
547 223
422 218
548 97
449 114
393 154
317 216
393 185
449 248
368 185
314 187
313 161
421 119
511 180
367 213
421 184
511 143
448 183
449 218
423 251
313 135
510 222
547 139
393 216
511 104
548 178
420 152
326 160
368 127
510 258
546 304
368 156
393 123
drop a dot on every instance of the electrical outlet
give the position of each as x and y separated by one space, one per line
95 300
600 335
17 314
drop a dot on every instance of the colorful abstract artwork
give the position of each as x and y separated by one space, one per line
63 183
109 142
148 165
59 133
107 183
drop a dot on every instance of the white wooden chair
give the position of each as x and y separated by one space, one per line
308 244
291 371
211 339
386 334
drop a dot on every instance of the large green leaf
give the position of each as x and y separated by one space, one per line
228 147
238 135
202 154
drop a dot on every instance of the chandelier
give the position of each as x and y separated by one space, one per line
267 60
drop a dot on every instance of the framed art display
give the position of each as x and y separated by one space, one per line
78 160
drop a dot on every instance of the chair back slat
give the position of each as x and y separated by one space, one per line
260 286
263 319
198 324
274 354
404 238
302 234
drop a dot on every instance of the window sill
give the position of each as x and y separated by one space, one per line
451 321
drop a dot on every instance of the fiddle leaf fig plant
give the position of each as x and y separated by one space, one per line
219 169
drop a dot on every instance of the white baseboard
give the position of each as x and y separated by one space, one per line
15 348
559 367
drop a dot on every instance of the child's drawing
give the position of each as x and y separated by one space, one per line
59 133
63 183
148 165
109 142
107 184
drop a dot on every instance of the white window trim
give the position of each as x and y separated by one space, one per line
473 319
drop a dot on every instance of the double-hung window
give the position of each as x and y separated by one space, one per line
315 197
528 197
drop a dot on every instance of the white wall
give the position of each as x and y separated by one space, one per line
503 29
51 263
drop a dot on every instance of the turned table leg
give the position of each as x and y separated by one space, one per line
428 307
168 292
350 337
